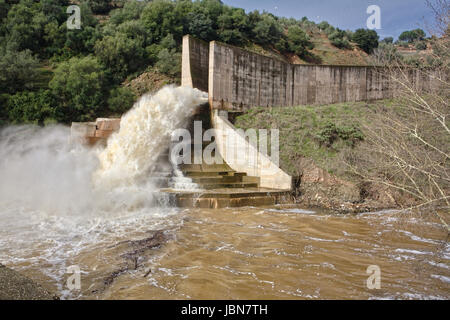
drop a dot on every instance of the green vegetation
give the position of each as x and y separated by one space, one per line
412 36
339 38
367 40
321 133
78 72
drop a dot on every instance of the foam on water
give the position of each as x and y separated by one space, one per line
57 199
144 134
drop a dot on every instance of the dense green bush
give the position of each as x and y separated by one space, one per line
339 39
412 35
331 132
79 85
17 70
366 39
120 55
298 41
33 107
120 100
162 17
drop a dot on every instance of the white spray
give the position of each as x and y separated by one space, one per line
144 134
59 199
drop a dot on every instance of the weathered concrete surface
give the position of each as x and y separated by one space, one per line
239 79
91 133
195 63
241 155
14 286
198 71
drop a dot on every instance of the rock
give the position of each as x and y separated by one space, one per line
14 286
316 187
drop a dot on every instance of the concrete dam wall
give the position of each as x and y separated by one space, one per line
238 79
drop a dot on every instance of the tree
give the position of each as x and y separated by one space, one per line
388 40
298 41
169 62
18 70
408 143
79 85
23 25
81 41
99 6
131 11
267 30
339 39
160 17
120 100
32 107
121 55
412 35
233 26
200 25
366 39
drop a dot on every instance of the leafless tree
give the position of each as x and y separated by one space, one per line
407 145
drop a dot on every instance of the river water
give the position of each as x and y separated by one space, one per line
280 252
66 208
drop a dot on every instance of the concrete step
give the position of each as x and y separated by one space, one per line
216 203
205 168
192 174
215 179
217 185
224 178
222 198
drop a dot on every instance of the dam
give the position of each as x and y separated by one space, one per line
236 80
55 216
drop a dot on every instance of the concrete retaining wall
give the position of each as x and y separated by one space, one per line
242 156
238 79
195 64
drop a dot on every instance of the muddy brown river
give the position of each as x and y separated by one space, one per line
280 252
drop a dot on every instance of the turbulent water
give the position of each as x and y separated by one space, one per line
145 133
63 205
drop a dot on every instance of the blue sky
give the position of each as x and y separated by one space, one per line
396 15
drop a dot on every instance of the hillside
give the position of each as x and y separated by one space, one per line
51 73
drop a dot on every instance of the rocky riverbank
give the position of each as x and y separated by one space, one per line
15 286
315 187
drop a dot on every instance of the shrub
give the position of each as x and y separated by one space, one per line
32 107
366 39
421 45
412 35
339 39
120 100
331 132
18 70
79 85
298 41
121 55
